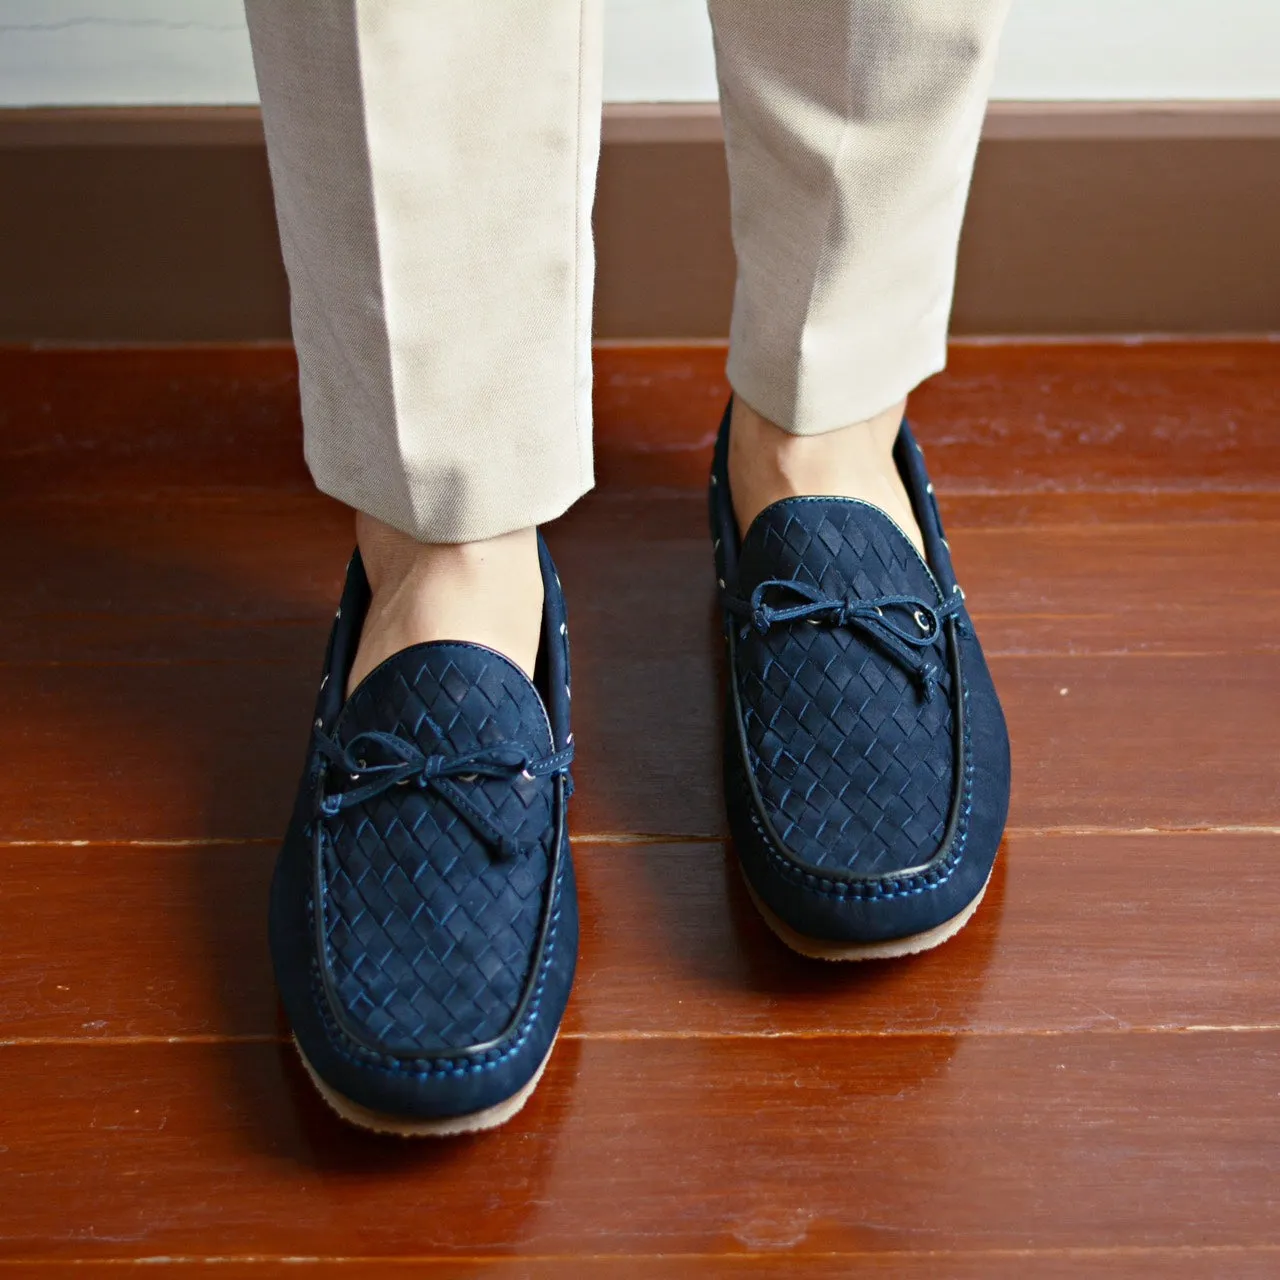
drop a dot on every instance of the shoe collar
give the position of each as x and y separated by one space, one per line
909 458
550 684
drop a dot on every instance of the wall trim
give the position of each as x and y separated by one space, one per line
644 123
155 224
130 127
700 121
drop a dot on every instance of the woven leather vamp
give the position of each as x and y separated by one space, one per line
430 933
854 765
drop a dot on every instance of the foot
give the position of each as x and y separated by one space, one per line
866 758
487 592
425 959
767 464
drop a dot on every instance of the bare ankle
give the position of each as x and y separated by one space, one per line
767 463
390 557
486 592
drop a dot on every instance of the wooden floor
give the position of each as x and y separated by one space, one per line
1085 1082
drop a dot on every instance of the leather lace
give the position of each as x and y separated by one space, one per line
903 626
403 763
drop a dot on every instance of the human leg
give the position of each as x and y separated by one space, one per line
851 130
433 165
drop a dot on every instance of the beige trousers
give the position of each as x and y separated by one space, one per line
434 164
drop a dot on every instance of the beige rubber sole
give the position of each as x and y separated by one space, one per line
816 949
377 1122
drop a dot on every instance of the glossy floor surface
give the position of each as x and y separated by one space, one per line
1086 1081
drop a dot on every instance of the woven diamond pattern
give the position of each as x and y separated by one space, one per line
854 764
430 934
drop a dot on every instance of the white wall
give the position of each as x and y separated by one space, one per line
94 52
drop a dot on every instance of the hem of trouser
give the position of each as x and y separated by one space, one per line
797 406
395 423
475 525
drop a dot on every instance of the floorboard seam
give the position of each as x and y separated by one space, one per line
637 1037
1236 651
746 1255
622 838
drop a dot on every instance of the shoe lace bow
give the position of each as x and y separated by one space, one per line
399 762
904 626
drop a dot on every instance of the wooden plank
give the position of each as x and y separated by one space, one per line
657 1147
120 941
190 578
95 418
1059 417
1105 416
1121 510
639 577
155 583
212 750
1116 589
1077 933
225 579
1241 1263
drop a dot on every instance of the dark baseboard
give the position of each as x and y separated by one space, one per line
156 225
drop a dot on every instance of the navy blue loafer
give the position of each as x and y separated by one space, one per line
424 921
866 757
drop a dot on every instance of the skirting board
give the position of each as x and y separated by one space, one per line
156 225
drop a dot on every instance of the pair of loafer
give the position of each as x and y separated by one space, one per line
423 916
